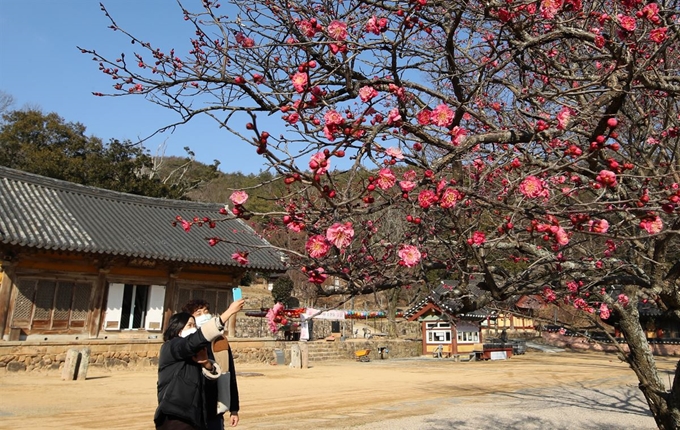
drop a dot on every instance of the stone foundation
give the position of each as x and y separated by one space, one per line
50 356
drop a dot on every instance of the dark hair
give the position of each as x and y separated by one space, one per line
193 305
175 325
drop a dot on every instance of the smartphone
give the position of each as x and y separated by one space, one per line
236 292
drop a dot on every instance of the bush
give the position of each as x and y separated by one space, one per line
282 289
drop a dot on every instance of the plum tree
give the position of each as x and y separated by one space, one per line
534 143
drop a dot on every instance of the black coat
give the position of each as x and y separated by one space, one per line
181 384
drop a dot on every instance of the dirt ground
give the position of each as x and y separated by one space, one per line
337 394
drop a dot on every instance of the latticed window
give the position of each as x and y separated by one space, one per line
219 300
48 304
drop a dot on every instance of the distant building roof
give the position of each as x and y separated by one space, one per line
442 298
50 214
530 302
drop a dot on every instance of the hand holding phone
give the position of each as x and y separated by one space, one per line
236 293
235 306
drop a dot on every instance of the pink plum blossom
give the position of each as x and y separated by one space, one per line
427 198
410 175
424 116
386 179
272 313
658 35
337 30
604 311
652 224
333 117
395 153
561 236
319 163
317 246
186 225
366 93
244 41
317 276
393 117
340 235
478 238
607 178
293 118
407 186
623 299
651 12
376 25
296 226
533 187
240 257
563 117
549 8
300 81
449 198
238 197
572 286
627 22
599 225
410 255
399 91
442 115
308 28
457 135
549 295
580 303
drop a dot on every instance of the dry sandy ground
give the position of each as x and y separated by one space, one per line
534 391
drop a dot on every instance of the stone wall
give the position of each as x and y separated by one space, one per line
579 343
255 327
50 356
32 355
345 350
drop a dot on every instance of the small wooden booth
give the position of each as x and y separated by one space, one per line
446 332
81 263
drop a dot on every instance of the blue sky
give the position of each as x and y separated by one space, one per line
40 66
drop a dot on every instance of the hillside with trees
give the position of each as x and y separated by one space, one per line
47 145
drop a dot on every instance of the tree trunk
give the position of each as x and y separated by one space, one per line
664 404
392 301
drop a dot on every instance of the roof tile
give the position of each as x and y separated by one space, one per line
47 213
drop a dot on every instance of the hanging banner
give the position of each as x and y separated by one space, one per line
324 315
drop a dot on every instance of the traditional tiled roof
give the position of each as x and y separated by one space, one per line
50 214
440 297
646 307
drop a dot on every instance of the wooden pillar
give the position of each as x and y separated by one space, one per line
169 302
231 327
97 303
6 272
454 339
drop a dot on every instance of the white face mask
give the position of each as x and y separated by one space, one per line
187 332
202 319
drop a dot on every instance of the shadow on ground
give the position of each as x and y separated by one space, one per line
548 409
